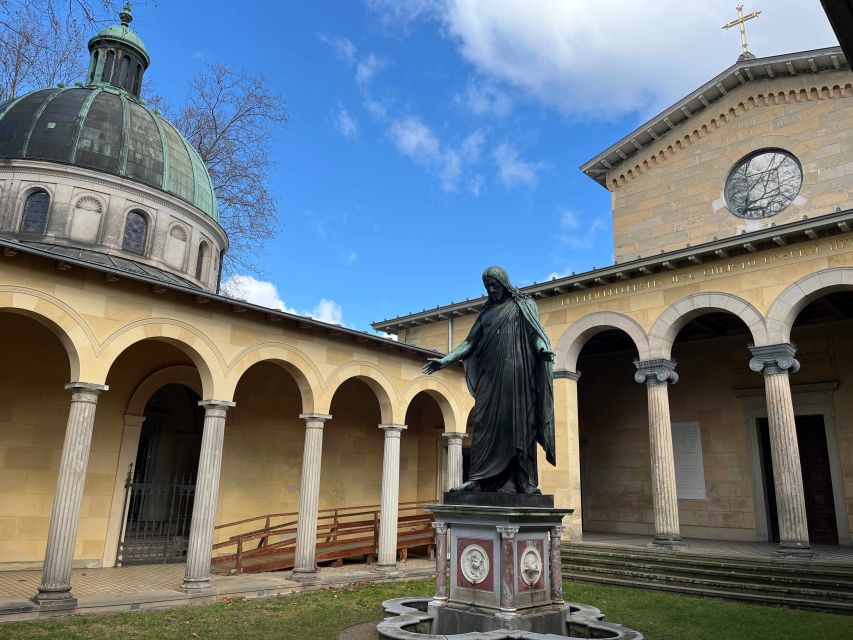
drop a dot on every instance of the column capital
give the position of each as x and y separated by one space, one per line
86 387
391 429
440 527
657 371
567 375
217 404
319 418
455 434
507 533
774 358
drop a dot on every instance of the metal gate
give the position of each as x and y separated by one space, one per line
156 520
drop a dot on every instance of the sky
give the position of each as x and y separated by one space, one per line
430 139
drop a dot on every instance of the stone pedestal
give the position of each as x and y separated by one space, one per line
502 571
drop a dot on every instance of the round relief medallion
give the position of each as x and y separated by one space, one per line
475 563
763 183
530 566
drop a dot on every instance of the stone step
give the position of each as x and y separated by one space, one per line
780 566
725 594
792 576
762 588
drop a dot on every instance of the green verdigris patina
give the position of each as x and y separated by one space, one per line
508 369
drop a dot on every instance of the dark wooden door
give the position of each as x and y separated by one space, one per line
817 479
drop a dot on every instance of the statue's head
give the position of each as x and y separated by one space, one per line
496 281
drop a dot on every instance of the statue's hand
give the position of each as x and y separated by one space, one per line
433 365
547 356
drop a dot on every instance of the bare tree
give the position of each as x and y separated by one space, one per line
43 42
229 118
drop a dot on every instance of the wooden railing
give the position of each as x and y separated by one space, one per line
343 532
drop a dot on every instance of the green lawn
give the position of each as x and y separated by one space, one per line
321 616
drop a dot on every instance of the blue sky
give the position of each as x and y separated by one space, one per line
429 139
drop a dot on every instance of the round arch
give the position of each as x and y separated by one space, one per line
185 337
178 374
378 381
670 322
788 305
61 320
294 362
577 335
438 391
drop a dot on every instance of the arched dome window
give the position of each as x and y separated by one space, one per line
135 232
35 212
108 67
202 260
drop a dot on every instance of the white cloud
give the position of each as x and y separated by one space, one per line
486 98
349 257
346 124
344 47
512 170
327 311
578 233
367 69
416 141
610 57
265 294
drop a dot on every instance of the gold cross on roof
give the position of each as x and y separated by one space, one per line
741 20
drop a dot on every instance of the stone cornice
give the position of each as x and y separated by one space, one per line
696 103
745 244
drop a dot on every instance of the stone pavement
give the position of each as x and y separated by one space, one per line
144 587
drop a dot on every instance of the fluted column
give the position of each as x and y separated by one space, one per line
657 375
440 562
197 577
568 432
55 588
775 361
305 561
454 458
390 504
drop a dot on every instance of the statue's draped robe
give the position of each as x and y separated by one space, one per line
513 390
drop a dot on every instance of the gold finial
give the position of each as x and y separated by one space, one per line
125 16
741 20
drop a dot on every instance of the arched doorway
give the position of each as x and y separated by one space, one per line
160 486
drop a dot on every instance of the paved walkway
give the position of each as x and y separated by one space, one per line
156 587
823 554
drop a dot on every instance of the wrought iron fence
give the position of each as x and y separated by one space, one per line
156 520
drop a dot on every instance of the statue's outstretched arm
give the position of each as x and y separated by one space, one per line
459 353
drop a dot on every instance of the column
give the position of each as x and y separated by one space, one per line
390 503
567 433
305 561
55 588
197 577
507 570
657 375
775 361
454 458
556 566
440 562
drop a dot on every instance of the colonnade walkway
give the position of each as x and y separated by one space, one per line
136 588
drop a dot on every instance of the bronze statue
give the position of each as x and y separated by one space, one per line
508 369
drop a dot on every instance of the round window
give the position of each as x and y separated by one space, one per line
764 183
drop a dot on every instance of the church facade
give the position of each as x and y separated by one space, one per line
734 262
124 370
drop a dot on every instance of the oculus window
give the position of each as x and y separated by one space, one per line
763 183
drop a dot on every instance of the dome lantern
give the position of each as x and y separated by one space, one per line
118 56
